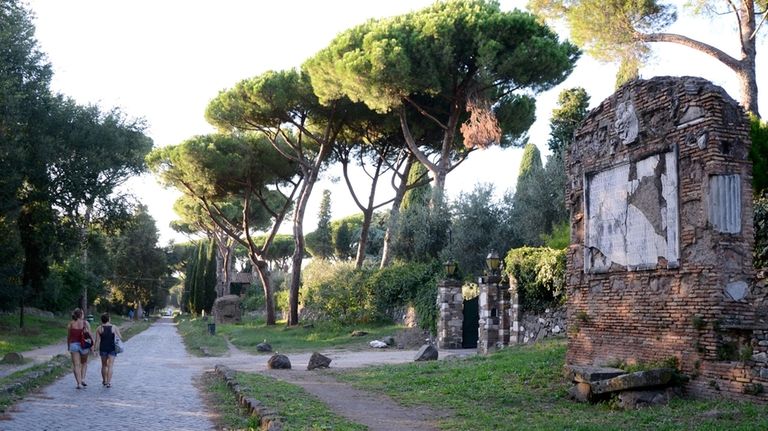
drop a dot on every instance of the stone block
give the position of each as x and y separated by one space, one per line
581 392
427 352
588 373
640 379
279 362
13 358
226 309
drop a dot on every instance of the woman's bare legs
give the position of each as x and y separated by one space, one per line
104 368
76 367
110 367
84 362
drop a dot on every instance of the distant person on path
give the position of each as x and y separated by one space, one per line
75 331
130 314
105 339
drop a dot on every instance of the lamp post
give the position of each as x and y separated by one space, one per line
493 262
450 268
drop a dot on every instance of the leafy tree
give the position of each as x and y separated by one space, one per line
623 30
138 263
761 232
461 61
321 243
529 199
216 168
476 228
573 104
283 107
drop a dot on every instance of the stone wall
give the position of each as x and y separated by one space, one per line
537 326
660 262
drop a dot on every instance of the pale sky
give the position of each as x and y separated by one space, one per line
164 60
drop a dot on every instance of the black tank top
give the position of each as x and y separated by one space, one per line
107 343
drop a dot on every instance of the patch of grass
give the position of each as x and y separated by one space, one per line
524 386
197 339
297 409
37 332
320 335
221 400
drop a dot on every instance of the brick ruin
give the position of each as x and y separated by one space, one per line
660 262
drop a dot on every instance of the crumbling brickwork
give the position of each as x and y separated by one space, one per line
660 262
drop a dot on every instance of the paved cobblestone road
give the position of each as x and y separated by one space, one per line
152 389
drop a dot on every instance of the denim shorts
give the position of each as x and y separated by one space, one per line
105 354
75 347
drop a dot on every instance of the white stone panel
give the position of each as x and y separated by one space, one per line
632 215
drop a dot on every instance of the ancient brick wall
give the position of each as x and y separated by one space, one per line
660 262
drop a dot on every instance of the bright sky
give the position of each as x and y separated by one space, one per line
165 60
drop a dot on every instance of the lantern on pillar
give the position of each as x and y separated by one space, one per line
493 262
450 268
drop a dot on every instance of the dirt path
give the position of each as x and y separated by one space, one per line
377 412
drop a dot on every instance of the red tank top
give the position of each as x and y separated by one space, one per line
74 334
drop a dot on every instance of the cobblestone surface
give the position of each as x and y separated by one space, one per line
152 389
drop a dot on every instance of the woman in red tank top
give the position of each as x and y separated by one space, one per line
78 353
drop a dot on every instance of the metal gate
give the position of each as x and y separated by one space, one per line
471 323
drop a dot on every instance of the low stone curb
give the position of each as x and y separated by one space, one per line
268 418
30 377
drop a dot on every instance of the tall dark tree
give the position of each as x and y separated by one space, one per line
322 239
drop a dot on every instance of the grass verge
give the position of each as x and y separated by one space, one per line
197 339
319 335
297 409
37 332
229 415
522 388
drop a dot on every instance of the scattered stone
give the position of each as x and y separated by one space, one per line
427 352
588 374
640 379
390 340
264 347
376 344
760 357
358 333
279 362
318 361
14 358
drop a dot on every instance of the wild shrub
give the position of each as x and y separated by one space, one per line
540 276
338 292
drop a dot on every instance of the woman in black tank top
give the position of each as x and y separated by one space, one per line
105 340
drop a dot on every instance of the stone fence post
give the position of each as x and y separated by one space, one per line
451 306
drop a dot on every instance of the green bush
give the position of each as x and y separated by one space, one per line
540 276
761 232
404 284
338 292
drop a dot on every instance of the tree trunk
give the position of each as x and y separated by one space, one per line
364 230
261 268
747 78
394 215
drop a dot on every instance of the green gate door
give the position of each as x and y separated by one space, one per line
471 323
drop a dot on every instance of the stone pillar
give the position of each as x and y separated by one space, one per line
514 312
504 317
451 305
488 334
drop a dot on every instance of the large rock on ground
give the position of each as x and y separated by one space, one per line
389 340
427 352
264 347
640 379
14 358
227 309
318 360
279 362
581 392
631 400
